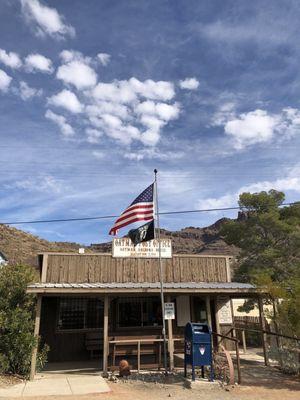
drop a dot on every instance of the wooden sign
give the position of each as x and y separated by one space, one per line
224 310
124 247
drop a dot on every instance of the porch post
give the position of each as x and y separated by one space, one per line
105 334
36 334
263 328
170 339
217 322
208 311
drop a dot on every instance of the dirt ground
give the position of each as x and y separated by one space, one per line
7 380
259 383
287 388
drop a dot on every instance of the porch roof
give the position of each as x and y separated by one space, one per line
151 287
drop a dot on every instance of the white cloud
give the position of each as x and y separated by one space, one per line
104 58
105 107
61 121
77 73
159 90
150 137
114 128
26 92
289 124
252 127
112 121
189 84
68 100
4 81
153 153
74 55
129 91
154 116
258 126
46 20
37 62
93 135
152 122
44 184
10 59
225 113
163 111
290 183
140 109
117 92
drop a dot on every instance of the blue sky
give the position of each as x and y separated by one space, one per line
96 94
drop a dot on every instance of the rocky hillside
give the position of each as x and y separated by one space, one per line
22 247
190 241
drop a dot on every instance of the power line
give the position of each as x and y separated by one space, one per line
115 216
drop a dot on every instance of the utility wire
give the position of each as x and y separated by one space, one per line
115 216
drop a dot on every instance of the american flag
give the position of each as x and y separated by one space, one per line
141 209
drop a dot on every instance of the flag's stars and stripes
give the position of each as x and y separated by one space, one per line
141 209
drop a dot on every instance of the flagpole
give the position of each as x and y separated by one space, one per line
160 272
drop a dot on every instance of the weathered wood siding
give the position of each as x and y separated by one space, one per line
104 269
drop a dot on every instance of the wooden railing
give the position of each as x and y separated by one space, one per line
263 332
139 351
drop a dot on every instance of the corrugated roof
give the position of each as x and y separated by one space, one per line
145 285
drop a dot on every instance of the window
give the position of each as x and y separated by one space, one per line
80 313
138 312
200 312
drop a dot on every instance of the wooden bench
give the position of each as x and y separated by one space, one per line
94 342
136 346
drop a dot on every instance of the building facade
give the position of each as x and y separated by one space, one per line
84 301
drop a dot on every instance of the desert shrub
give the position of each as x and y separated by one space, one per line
17 321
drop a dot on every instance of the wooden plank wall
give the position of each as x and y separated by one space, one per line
104 269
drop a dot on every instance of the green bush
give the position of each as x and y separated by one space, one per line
17 321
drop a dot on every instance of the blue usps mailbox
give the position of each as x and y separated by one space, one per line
198 348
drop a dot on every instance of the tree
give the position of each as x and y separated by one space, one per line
17 321
269 238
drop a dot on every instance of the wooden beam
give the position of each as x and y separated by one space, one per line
170 339
36 335
208 311
244 341
218 330
71 290
86 254
44 268
228 270
105 334
263 328
232 316
139 356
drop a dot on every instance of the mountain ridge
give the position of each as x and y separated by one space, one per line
22 248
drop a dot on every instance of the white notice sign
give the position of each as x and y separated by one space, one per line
169 311
224 310
124 247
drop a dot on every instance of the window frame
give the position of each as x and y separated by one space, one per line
59 330
140 301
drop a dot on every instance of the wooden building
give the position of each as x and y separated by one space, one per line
85 301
